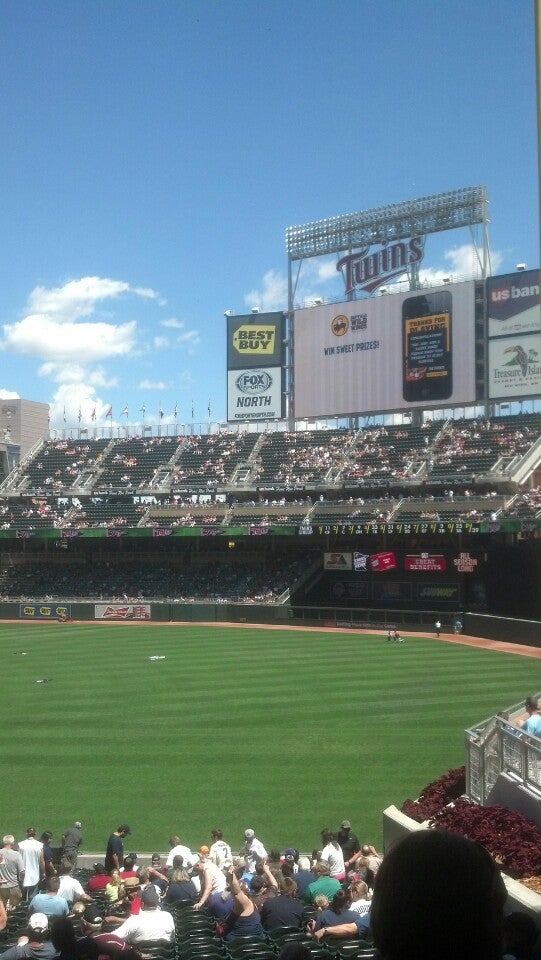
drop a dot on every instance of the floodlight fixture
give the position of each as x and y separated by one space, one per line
521 266
397 221
255 309
228 313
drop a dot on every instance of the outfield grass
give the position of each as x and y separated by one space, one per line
286 731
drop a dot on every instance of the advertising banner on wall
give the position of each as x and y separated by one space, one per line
514 367
44 611
255 340
514 330
513 304
122 611
255 352
255 394
391 352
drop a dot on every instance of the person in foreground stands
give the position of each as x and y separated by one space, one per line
72 839
421 881
99 879
11 873
212 881
31 851
253 850
37 947
49 903
303 877
93 943
348 841
244 919
324 883
70 888
114 856
151 925
337 912
533 724
284 910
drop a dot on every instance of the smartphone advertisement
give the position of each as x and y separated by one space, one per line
428 360
385 353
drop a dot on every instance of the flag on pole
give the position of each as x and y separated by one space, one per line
109 413
176 411
208 408
192 410
125 411
93 417
79 415
64 414
161 413
143 410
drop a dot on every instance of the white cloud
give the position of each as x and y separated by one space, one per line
172 323
152 385
8 395
190 339
78 298
160 343
463 262
40 336
273 296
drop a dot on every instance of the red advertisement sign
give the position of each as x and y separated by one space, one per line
382 561
424 562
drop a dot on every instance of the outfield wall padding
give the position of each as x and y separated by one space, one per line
503 628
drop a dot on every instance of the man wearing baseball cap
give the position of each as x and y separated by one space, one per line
253 850
348 841
152 925
38 947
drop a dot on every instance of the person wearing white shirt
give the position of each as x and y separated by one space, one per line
151 925
31 851
220 851
253 850
179 849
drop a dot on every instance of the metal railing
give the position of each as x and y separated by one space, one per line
496 746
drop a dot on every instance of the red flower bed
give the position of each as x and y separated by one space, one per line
436 795
511 839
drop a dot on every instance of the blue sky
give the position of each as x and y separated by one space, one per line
154 152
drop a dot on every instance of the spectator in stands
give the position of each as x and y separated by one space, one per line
361 899
414 913
114 857
533 724
338 912
348 841
11 873
244 919
179 849
181 888
367 863
38 947
220 851
332 853
114 891
99 879
304 876
284 910
157 873
72 839
31 851
324 883
45 839
253 850
92 944
152 925
49 903
212 881
70 888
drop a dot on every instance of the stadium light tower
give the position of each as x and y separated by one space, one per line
388 226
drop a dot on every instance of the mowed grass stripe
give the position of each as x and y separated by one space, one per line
286 730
